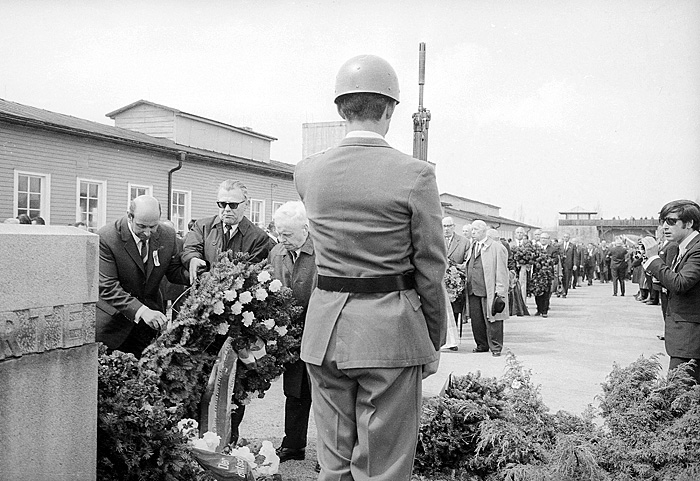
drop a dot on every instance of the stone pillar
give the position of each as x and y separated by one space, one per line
48 355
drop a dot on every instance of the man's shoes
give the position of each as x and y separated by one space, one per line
286 454
563 295
538 313
476 349
622 295
544 315
651 303
661 338
615 295
454 348
318 467
496 354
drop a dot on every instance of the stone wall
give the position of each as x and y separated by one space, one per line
48 357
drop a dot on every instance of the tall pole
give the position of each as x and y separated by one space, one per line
421 119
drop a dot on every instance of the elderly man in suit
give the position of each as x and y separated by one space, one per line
136 252
294 263
487 277
618 266
229 230
456 255
376 321
568 253
522 271
681 278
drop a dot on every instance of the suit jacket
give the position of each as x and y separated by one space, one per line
568 255
683 310
300 276
457 250
494 259
590 259
205 241
126 284
374 211
618 257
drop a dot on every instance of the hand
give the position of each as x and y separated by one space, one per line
575 267
431 368
154 319
196 265
651 247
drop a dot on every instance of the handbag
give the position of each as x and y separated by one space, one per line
498 305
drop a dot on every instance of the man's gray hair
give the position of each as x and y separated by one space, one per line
292 211
229 185
493 234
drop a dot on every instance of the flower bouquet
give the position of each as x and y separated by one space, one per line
454 282
247 461
526 254
542 272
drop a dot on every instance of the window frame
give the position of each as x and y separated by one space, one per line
149 191
260 223
188 209
45 186
101 202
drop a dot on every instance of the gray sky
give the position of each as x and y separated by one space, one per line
537 106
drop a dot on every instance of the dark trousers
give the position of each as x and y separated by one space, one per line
664 302
566 279
236 419
296 413
487 335
589 274
542 302
618 275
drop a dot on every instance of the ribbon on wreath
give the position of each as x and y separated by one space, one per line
215 408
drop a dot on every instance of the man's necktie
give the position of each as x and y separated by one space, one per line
293 256
676 260
143 251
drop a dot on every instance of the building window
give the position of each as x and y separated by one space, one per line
92 207
31 194
275 206
136 190
180 210
257 212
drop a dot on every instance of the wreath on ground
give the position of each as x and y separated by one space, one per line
140 402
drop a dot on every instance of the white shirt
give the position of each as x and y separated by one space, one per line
364 134
138 241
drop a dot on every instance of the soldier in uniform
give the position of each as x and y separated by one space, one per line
376 321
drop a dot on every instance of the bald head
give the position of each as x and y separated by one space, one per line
144 215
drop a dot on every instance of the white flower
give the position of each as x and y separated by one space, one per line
269 323
186 425
222 328
212 440
261 294
244 453
218 307
271 462
236 308
275 285
201 444
264 276
238 283
516 384
272 343
248 318
281 330
245 297
230 295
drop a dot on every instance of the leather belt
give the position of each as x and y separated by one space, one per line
366 285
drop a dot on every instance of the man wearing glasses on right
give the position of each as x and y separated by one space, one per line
681 277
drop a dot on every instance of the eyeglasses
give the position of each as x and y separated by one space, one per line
232 205
668 220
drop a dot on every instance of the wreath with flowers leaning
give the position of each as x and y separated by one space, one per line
543 266
236 299
454 282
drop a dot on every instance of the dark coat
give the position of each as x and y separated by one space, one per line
300 276
126 284
618 257
204 241
568 255
683 311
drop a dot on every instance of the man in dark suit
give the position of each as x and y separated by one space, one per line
590 261
542 300
136 252
618 266
293 260
457 247
376 321
568 253
681 221
229 230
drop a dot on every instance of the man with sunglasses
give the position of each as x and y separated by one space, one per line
136 253
229 230
680 276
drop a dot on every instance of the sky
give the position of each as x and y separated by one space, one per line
537 106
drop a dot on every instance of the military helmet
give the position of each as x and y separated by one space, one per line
367 73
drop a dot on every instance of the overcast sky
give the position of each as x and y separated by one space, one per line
537 106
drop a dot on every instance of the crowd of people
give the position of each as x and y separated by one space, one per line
366 259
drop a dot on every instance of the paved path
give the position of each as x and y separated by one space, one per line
571 352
